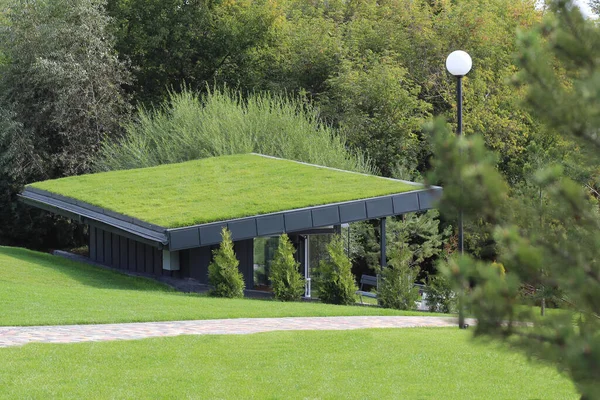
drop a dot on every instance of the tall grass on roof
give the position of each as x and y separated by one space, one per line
221 122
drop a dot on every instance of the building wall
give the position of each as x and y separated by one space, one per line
194 262
130 255
122 253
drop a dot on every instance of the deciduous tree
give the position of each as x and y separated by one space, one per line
60 95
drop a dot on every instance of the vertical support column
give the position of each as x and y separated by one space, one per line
337 229
383 259
307 286
170 260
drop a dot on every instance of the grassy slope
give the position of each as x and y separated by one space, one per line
40 289
219 188
375 364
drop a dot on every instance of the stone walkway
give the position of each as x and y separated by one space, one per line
17 336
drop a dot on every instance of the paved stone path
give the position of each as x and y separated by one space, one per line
17 336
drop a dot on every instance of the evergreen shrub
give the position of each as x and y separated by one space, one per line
223 272
288 283
336 284
396 288
440 296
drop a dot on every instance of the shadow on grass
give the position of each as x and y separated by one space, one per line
85 274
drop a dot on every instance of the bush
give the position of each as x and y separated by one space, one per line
440 296
223 272
335 280
397 289
188 127
288 283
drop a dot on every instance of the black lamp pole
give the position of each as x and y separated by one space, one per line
461 242
459 63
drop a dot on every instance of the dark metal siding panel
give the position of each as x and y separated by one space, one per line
325 216
242 229
148 259
100 246
157 261
131 258
200 257
184 263
297 221
123 253
270 225
210 234
107 248
92 244
353 212
139 255
405 203
380 207
184 239
116 251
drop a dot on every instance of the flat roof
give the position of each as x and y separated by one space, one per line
185 205
219 188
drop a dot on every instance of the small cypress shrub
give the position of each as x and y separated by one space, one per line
396 288
288 283
223 272
335 280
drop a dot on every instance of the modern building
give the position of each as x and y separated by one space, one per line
166 220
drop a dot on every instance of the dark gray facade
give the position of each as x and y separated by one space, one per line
125 254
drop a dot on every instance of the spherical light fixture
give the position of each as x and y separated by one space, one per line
459 63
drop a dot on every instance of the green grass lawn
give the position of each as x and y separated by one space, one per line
219 188
436 363
41 289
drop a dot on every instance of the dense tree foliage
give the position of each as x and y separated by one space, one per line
377 71
419 235
60 95
552 244
370 73
172 43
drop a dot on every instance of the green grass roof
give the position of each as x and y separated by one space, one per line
219 188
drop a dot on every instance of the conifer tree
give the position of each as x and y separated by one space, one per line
223 272
288 284
560 70
335 281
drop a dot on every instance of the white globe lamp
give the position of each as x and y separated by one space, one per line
459 63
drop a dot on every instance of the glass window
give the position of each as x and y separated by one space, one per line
264 251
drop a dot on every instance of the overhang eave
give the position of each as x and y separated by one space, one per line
289 221
87 214
304 219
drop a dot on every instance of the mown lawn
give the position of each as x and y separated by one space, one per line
219 188
41 289
436 363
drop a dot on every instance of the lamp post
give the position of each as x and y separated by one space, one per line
459 63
